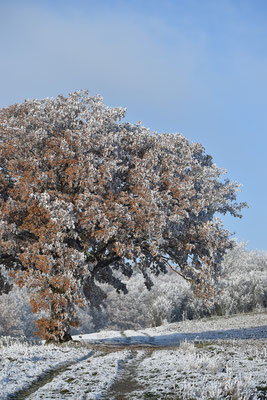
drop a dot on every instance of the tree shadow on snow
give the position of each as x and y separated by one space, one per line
174 339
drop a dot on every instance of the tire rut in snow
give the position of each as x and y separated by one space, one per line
126 383
45 378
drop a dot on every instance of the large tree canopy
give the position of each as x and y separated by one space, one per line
83 196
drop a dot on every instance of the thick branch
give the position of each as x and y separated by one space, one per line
175 270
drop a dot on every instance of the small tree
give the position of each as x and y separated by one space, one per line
83 195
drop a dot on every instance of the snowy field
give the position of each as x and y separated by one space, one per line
213 358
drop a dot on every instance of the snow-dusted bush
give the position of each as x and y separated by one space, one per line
170 299
86 319
16 318
243 281
125 311
242 288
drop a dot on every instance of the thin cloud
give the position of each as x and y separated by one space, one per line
109 53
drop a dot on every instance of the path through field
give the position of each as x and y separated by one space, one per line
207 359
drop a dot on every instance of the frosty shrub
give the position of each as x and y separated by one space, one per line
84 195
87 322
243 281
242 288
170 299
16 318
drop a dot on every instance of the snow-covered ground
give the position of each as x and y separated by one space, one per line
213 358
241 326
22 363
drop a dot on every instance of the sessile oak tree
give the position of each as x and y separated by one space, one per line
86 198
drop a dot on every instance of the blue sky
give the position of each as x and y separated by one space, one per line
194 67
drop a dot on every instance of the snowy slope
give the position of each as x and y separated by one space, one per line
205 359
241 326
